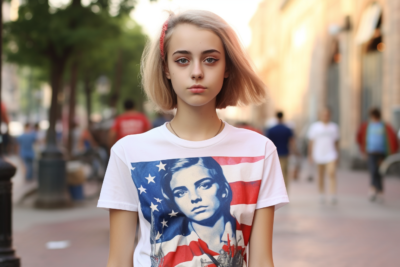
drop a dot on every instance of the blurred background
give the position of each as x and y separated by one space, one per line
71 68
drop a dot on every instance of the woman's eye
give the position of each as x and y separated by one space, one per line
210 60
182 61
179 194
205 185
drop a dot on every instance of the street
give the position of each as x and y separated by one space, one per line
354 232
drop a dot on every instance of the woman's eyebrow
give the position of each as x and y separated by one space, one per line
211 51
201 181
181 52
186 52
179 188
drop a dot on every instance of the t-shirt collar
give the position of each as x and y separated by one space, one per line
194 144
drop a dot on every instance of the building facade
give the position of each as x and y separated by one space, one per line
343 54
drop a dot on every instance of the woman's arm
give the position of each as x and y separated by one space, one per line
122 238
261 238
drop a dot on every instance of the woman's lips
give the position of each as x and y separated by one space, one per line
199 209
197 90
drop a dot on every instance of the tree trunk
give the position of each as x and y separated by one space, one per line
118 80
71 107
56 72
88 98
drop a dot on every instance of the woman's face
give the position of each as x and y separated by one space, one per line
196 65
195 193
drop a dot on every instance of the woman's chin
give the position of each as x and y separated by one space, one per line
202 218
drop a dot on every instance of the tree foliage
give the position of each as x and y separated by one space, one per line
89 38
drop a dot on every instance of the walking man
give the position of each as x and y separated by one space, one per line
377 140
323 138
282 137
129 122
26 152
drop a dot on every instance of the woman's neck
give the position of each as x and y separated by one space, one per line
207 233
196 123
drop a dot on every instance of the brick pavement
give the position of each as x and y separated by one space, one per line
353 233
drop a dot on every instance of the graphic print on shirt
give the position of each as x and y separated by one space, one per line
200 210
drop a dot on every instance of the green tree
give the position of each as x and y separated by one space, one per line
57 39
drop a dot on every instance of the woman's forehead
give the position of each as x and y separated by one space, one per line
189 176
193 39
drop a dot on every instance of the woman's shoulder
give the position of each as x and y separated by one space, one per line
248 133
250 139
135 141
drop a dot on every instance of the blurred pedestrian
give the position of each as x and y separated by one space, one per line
283 138
129 122
40 139
376 139
26 142
323 149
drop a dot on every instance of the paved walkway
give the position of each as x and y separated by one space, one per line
352 233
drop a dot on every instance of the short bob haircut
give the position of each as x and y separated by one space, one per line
242 87
214 169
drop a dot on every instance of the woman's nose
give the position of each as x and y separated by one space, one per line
194 197
197 72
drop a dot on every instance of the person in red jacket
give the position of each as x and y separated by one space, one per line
129 122
376 139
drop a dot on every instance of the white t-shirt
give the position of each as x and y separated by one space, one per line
195 199
324 137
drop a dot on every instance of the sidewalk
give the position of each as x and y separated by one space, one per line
354 232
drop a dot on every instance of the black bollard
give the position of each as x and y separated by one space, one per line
7 253
52 189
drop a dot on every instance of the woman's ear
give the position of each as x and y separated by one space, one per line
226 74
225 193
166 70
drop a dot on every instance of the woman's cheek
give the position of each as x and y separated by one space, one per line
181 202
211 192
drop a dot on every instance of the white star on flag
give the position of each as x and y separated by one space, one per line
150 178
153 207
142 189
164 223
161 166
173 213
158 235
158 200
133 168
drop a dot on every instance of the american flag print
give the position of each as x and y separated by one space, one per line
200 210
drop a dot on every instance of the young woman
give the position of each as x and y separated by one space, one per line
202 190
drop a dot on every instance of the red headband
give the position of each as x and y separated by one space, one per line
164 29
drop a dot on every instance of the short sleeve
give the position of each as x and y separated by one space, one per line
118 190
311 132
272 190
291 134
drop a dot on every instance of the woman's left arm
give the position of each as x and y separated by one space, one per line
261 238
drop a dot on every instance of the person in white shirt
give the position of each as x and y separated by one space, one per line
204 192
323 138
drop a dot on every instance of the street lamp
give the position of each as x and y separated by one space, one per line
7 253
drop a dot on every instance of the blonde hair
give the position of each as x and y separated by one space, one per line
242 87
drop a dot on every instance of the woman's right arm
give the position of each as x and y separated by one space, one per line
122 238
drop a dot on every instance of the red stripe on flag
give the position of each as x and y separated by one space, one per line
236 160
245 192
187 253
246 231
